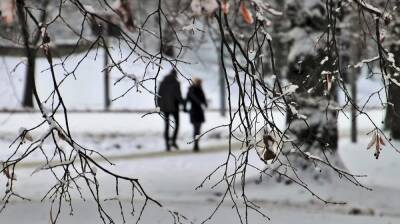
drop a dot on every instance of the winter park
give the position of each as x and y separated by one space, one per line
200 111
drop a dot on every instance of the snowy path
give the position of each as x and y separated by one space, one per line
35 213
216 148
134 124
124 134
172 180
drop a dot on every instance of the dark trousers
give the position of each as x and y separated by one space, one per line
175 115
196 132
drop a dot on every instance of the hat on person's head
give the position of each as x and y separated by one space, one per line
196 81
172 72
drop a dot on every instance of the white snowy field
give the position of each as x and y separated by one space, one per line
127 133
85 89
115 133
172 179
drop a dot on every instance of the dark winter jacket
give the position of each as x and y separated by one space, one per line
196 98
169 94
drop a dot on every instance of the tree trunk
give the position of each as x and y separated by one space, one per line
353 87
392 120
350 53
168 33
30 53
29 80
107 101
393 110
167 47
221 81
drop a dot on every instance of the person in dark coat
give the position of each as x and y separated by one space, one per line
169 98
197 99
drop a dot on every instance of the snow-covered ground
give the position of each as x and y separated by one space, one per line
114 133
127 133
172 179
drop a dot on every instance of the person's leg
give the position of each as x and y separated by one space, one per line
176 118
196 133
166 130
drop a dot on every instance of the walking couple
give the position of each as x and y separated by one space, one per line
170 98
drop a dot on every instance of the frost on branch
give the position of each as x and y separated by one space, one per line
263 9
370 8
25 134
